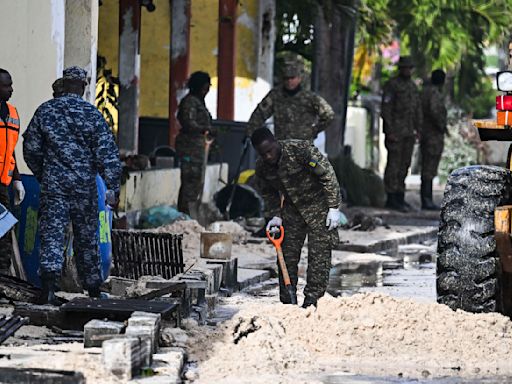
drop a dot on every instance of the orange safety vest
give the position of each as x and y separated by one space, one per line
9 132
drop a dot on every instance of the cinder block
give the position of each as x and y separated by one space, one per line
122 356
200 272
229 272
96 328
144 331
119 285
217 276
211 302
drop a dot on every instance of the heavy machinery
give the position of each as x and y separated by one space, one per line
474 266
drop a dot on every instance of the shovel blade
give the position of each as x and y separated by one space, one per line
293 294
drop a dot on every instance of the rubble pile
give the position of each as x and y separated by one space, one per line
371 334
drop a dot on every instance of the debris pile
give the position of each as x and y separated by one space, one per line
371 334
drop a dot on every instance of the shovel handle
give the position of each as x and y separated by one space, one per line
282 266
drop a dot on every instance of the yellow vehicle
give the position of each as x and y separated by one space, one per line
474 265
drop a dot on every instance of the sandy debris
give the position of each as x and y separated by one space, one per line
70 357
371 334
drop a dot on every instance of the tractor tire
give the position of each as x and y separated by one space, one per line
469 275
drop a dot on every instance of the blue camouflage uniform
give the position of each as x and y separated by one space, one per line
65 145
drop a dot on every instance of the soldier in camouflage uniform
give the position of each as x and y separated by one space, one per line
402 115
432 135
301 193
195 121
65 145
8 122
58 87
298 113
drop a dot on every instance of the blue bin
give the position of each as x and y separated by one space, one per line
28 233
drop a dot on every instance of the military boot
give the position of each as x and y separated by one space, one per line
426 197
308 301
406 206
395 202
96 293
47 295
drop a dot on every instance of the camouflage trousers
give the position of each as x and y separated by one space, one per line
399 161
191 184
55 214
431 151
6 251
320 243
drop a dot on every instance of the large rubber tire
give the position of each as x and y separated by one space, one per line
468 268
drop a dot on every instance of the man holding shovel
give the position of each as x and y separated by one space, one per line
302 194
195 121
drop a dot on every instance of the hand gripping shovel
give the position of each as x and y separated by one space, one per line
282 265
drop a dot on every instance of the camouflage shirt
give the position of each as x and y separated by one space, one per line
303 176
296 116
401 107
67 143
194 119
434 111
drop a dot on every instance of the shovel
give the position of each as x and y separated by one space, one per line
282 265
198 210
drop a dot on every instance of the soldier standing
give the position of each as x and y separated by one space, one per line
432 135
298 113
301 193
65 145
195 121
9 132
401 112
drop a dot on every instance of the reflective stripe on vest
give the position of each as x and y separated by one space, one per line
9 133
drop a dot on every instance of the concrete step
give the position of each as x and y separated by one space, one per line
248 277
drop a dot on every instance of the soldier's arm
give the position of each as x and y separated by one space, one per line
438 111
33 146
323 170
261 113
419 113
388 96
106 154
269 195
324 112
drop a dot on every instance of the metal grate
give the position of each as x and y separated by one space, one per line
139 253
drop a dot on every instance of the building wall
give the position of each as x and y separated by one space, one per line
254 47
33 52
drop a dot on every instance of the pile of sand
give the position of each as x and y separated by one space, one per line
371 334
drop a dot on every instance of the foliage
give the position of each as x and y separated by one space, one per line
107 93
481 100
461 147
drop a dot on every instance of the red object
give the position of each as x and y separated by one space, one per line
226 64
504 103
504 117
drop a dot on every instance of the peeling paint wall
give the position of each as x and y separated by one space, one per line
255 51
32 51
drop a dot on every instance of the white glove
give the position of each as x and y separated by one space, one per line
274 224
19 192
333 219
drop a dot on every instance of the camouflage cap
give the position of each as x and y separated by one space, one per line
405 61
292 69
75 73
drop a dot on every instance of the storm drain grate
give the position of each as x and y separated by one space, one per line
9 325
139 253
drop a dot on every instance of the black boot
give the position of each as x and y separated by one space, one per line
395 202
308 301
95 293
406 206
47 295
426 196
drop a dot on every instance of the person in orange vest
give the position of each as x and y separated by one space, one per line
9 132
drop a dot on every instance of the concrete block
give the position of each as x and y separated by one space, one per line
229 272
217 276
247 277
215 245
95 328
211 302
119 285
200 272
173 337
144 327
170 363
122 356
